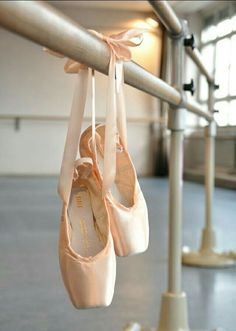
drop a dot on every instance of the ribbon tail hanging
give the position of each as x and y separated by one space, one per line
73 135
121 112
110 131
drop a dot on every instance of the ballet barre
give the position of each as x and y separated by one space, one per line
173 314
46 26
207 256
43 24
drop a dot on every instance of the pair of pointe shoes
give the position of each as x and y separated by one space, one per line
95 229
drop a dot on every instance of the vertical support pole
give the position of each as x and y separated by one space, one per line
173 315
175 212
208 234
176 125
209 179
207 255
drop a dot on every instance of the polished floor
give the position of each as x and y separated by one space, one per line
32 296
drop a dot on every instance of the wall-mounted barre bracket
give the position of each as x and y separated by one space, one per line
189 87
189 41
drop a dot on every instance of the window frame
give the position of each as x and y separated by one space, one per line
213 19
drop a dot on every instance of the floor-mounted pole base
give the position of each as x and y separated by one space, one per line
154 329
230 255
133 326
207 256
208 259
173 316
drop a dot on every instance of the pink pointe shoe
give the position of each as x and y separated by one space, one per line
86 251
129 216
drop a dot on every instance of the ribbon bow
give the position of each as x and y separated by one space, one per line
118 43
115 111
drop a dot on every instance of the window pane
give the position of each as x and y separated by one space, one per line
234 22
202 121
208 34
208 56
222 116
203 89
232 74
232 113
223 53
224 27
222 66
222 80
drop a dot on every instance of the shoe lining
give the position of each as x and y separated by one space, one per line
85 239
114 189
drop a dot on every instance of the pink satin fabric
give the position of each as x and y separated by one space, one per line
129 225
89 280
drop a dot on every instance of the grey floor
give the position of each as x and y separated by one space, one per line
32 296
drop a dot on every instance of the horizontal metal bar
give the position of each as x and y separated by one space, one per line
227 98
137 120
214 41
228 138
43 24
195 108
167 16
195 55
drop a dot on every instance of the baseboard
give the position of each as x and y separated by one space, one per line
222 178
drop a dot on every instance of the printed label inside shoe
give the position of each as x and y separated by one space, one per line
84 234
85 239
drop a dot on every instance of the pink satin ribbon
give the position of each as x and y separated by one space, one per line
118 43
115 108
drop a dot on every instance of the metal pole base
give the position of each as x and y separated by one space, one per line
137 327
171 324
207 256
208 259
133 326
173 315
230 254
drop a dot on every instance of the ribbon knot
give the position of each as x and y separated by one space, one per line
118 43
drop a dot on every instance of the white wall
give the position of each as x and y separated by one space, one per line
34 83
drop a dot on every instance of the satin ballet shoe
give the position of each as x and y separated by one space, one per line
129 216
86 250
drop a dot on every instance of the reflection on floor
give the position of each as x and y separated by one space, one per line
32 297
